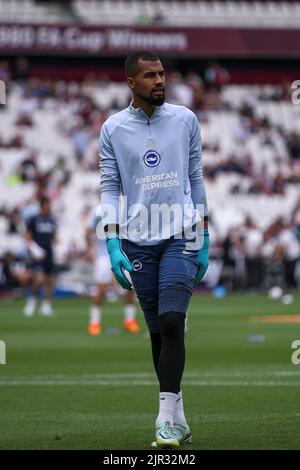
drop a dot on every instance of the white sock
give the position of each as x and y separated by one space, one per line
167 405
179 417
95 314
129 312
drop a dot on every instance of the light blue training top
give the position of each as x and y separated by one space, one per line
154 164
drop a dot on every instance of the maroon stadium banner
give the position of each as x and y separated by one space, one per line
114 40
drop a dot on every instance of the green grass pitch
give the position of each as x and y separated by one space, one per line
62 389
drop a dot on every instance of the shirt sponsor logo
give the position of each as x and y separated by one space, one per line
44 227
158 181
151 158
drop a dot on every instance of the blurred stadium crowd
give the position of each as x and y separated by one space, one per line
228 13
251 153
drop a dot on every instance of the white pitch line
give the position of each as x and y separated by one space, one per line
149 375
202 383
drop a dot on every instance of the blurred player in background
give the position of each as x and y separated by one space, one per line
104 279
40 237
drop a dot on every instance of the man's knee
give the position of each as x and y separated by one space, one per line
148 299
172 324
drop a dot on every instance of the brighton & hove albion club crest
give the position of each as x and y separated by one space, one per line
151 158
137 265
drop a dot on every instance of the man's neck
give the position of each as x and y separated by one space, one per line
146 107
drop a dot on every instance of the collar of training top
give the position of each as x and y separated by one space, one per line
139 112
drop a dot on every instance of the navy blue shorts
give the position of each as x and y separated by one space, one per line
163 277
45 265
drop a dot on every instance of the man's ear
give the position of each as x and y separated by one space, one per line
130 82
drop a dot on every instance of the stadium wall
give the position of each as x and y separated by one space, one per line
63 40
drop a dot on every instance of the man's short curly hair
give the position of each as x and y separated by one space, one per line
132 61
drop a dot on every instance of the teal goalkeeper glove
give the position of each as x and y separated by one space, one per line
119 261
202 259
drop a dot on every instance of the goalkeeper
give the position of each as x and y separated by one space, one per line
150 153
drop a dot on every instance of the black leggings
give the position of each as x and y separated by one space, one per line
168 351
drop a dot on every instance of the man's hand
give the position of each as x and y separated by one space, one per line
35 250
203 261
119 261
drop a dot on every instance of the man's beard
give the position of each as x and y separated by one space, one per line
154 100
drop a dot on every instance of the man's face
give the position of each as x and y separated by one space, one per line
149 83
